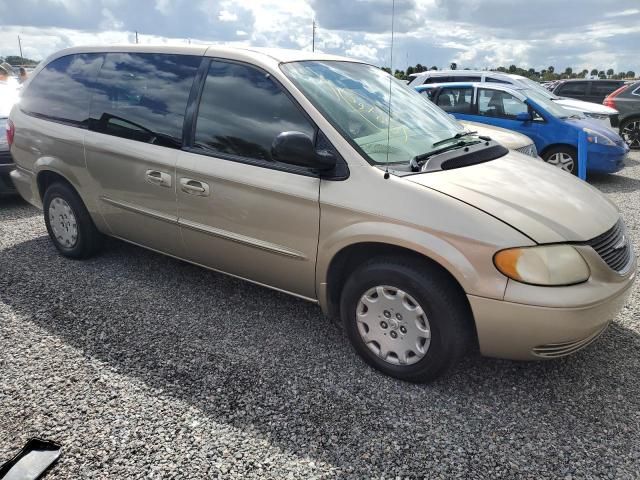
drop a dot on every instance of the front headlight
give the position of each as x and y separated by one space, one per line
595 137
550 265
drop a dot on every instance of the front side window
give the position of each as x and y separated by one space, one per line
496 103
143 96
242 111
573 88
61 91
456 100
355 98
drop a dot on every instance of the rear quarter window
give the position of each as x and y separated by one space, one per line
61 91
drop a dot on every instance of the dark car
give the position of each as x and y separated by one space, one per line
6 162
586 90
626 100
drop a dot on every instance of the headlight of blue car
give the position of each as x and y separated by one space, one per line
597 138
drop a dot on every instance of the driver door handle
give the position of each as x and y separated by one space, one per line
158 178
194 187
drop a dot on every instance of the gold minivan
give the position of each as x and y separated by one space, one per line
324 178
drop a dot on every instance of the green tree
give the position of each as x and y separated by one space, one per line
594 71
568 71
410 70
513 69
551 69
17 60
610 73
453 66
434 68
631 74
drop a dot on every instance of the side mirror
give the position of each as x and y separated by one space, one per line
524 117
296 148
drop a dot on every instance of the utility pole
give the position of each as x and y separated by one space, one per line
313 36
20 46
136 36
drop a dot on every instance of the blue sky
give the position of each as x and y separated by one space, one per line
473 33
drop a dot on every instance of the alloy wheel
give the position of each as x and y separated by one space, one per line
631 134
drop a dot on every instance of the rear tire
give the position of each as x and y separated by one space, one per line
69 224
564 157
381 307
630 132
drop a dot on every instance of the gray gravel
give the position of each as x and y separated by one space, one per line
144 366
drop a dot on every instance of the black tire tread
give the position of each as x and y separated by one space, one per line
458 330
90 240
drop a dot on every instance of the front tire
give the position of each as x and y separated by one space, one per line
408 320
564 158
69 224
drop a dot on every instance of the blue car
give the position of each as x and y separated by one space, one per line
553 129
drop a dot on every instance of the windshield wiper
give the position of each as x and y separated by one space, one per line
455 137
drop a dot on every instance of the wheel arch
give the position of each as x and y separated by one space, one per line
351 256
557 145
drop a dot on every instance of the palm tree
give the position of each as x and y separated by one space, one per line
453 66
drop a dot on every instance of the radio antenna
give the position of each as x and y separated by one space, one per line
393 11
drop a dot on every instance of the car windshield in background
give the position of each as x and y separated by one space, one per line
553 108
532 85
355 98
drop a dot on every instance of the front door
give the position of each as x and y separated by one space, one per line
499 108
240 211
131 149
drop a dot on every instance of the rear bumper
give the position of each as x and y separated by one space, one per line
6 185
528 332
24 182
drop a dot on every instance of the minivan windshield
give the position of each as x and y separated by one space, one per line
553 108
355 99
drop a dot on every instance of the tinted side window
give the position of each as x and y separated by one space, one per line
455 100
242 110
604 88
62 90
573 88
495 103
143 96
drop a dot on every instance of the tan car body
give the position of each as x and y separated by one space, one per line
294 233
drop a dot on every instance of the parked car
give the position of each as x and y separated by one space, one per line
587 90
627 100
512 140
8 96
289 169
608 117
553 129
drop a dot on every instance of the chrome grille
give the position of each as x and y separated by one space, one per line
556 350
614 247
529 150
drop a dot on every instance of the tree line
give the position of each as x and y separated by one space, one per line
544 75
16 61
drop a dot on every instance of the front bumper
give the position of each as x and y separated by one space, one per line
536 322
606 159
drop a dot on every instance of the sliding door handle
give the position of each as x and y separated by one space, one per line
194 187
158 178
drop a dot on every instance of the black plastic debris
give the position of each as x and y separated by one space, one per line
32 461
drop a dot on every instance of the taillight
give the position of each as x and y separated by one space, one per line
610 100
11 132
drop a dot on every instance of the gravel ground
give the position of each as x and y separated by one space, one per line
144 366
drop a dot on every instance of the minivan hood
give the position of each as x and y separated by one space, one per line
589 107
541 201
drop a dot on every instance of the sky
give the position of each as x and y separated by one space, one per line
481 34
